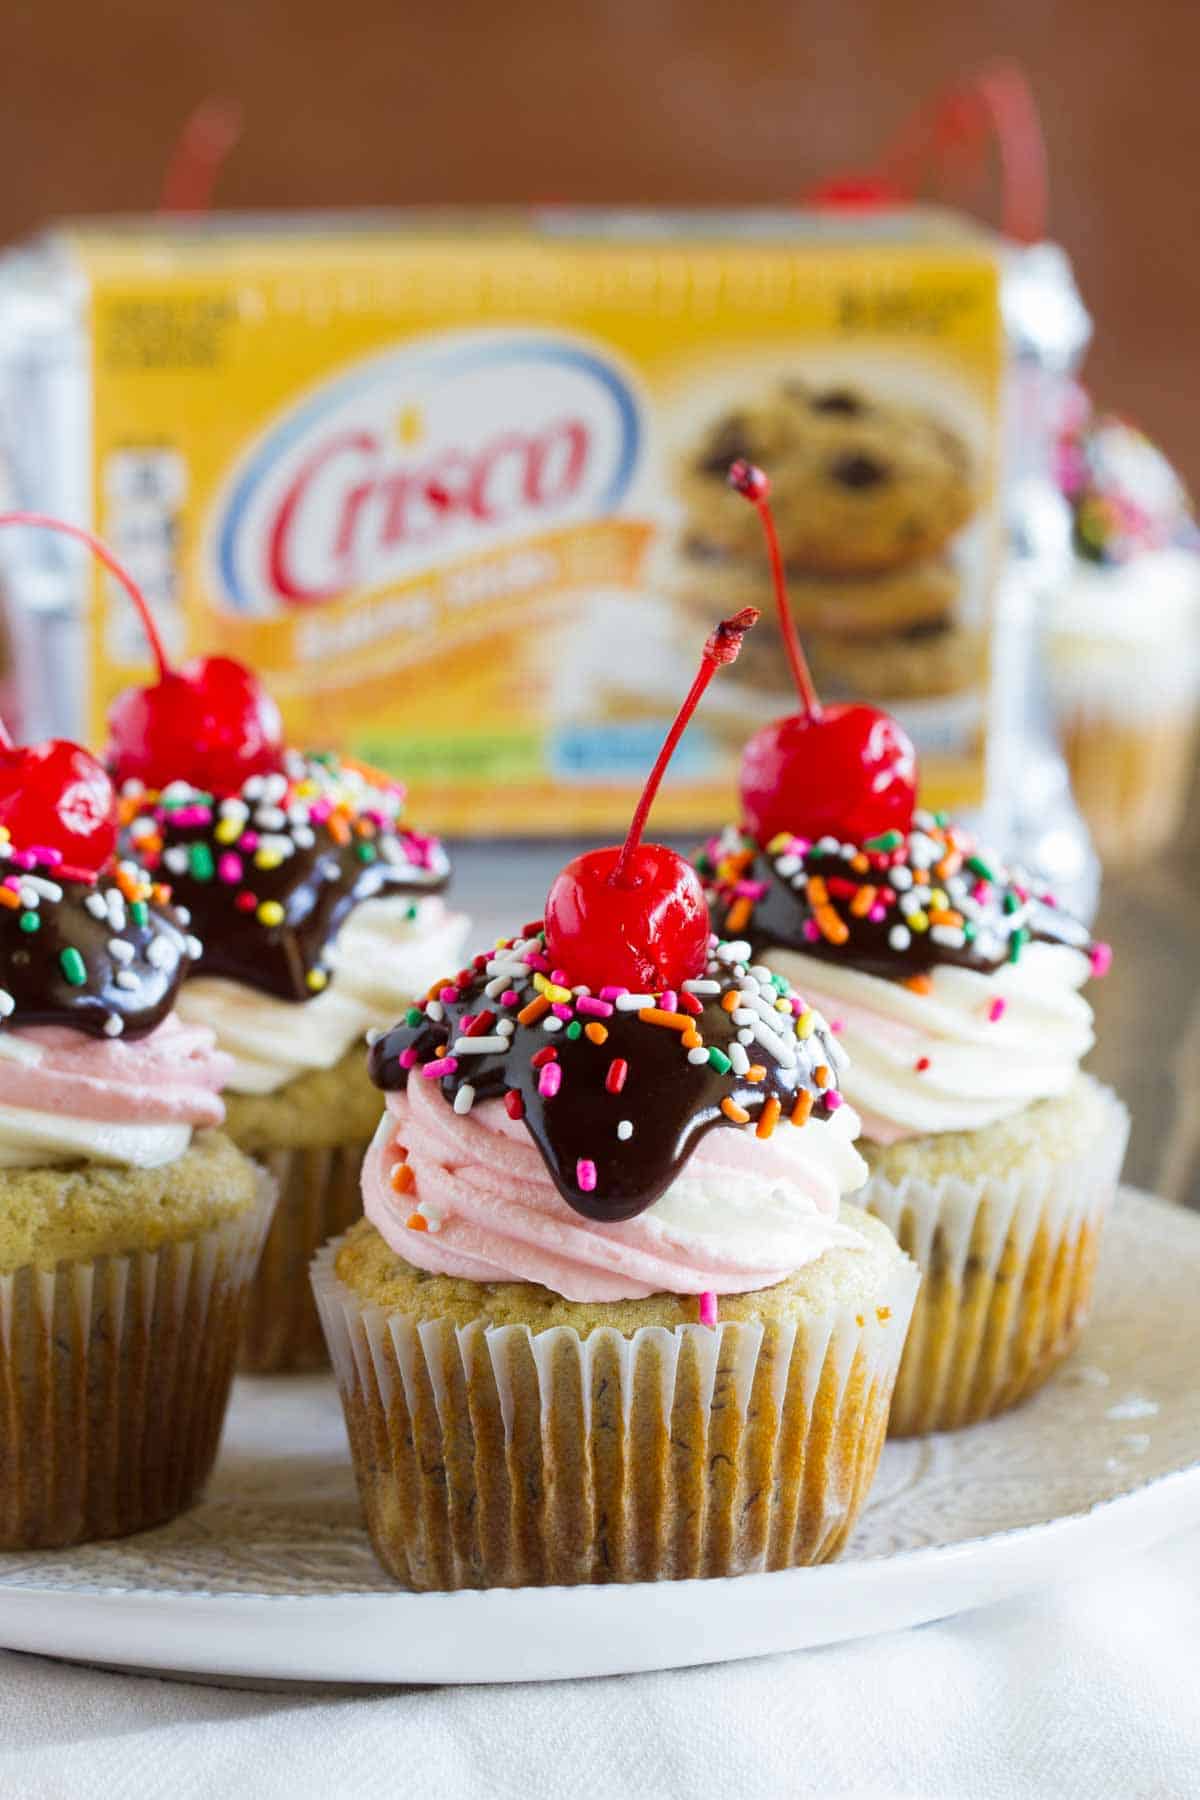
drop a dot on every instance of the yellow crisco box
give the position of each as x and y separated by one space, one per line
453 483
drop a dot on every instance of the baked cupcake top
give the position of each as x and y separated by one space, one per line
271 873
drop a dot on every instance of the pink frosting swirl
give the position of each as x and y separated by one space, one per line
172 1076
744 1214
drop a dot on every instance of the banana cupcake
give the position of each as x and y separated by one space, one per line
606 1318
954 985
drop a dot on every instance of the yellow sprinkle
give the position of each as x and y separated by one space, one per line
556 995
805 1025
267 859
316 979
917 921
270 913
778 844
939 900
227 831
782 1005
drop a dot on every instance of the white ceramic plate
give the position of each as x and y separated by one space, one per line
272 1576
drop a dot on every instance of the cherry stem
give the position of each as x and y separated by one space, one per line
721 647
753 485
6 738
105 555
208 134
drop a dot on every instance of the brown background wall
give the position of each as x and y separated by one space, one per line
372 101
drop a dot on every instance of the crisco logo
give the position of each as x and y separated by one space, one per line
448 446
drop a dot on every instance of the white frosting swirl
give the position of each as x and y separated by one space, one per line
386 952
952 1059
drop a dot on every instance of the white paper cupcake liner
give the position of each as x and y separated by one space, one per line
114 1376
499 1457
1007 1264
320 1194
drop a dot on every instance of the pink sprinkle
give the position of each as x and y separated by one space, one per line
1101 959
812 931
797 1005
612 993
229 868
549 1080
408 1057
192 815
708 1310
248 842
448 996
532 960
598 1009
877 914
980 891
670 1000
750 890
1049 899
559 978
441 1065
13 882
561 1011
24 859
46 854
585 1175
837 1026
319 811
832 1099
997 1010
509 997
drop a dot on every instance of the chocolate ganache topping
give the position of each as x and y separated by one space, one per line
895 906
105 957
615 1088
270 873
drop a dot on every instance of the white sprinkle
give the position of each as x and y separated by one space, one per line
373 1035
49 890
254 788
120 951
780 1048
950 935
635 1002
97 906
270 818
912 901
701 987
158 953
899 937
176 859
698 1055
114 1025
195 948
275 787
761 973
625 1130
738 1057
142 828
799 883
126 980
550 1023
477 1046
924 819
436 1011
742 1015
304 838
183 914
827 843
178 790
787 865
745 1036
464 1099
29 897
922 851
6 1003
737 951
901 878
505 1028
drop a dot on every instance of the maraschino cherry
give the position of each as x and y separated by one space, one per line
633 915
844 771
209 722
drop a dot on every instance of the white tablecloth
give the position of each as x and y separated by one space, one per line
1084 1691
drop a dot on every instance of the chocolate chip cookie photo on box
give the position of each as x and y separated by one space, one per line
860 482
850 605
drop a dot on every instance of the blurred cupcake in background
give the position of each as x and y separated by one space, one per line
1123 638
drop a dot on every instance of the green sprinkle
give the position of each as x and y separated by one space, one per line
72 965
194 798
779 984
978 867
29 921
1016 943
718 1060
139 912
942 819
1011 903
970 930
365 852
574 1030
413 1016
411 912
887 840
200 860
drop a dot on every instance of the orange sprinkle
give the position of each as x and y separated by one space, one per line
160 892
733 1111
537 1009
830 922
730 1000
818 893
863 901
654 1015
941 916
691 1040
802 1108
918 984
821 1075
733 866
10 898
859 864
339 830
415 1222
596 1033
738 916
403 1179
883 1314
756 1072
949 865
768 1118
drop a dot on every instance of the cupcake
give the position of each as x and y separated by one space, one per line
320 914
1123 639
129 1224
605 1318
954 986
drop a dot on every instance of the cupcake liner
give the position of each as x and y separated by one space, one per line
114 1375
500 1457
320 1194
1007 1266
1131 779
